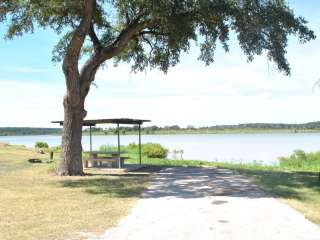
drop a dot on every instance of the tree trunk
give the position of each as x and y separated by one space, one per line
71 155
74 113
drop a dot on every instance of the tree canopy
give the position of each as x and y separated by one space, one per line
153 33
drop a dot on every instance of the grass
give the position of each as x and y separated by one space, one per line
302 161
36 204
301 190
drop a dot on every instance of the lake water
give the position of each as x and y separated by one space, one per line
211 147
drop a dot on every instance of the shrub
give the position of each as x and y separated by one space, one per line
108 148
154 150
299 155
41 145
132 145
300 160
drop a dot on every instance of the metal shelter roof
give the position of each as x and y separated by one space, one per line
110 120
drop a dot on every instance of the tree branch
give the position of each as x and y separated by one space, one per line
94 39
89 69
123 39
70 62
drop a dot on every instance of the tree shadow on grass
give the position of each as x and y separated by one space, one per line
289 185
200 182
117 185
114 187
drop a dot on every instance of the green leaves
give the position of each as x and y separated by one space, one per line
23 15
261 27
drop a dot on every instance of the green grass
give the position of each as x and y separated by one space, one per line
301 161
37 204
300 190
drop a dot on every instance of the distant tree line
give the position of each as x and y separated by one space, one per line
190 128
14 131
312 126
302 126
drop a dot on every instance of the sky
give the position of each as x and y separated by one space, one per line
230 91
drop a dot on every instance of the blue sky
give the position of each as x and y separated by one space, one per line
230 91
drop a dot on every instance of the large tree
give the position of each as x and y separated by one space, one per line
146 34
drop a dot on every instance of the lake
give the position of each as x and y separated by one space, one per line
265 147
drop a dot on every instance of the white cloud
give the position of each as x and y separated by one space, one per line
30 104
219 94
230 91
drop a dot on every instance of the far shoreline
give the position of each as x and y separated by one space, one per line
182 132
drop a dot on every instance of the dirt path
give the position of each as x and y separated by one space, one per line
215 204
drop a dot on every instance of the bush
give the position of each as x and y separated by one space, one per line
154 150
132 145
41 145
301 160
299 155
108 148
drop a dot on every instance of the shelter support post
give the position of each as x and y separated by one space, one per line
90 139
119 157
140 144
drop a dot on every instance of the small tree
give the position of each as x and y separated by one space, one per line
145 33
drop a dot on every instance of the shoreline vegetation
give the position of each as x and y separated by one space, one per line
311 127
28 191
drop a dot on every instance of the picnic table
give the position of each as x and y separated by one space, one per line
112 159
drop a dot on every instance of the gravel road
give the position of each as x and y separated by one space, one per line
215 204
